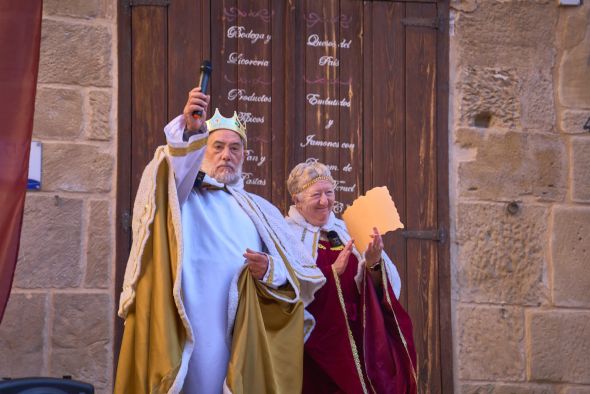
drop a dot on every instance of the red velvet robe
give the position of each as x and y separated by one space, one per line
362 342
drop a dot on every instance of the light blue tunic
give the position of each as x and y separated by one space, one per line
216 233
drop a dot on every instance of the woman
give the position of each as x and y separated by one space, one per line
362 341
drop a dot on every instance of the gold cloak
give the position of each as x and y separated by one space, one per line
267 346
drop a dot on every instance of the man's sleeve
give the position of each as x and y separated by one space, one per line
276 273
186 156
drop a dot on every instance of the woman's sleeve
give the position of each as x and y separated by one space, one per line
392 275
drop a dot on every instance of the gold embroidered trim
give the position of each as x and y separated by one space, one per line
364 287
314 248
353 347
320 246
315 180
210 187
271 269
385 284
183 151
304 234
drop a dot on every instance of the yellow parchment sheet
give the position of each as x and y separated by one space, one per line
375 209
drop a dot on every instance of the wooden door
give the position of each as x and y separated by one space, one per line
360 86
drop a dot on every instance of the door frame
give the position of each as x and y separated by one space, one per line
125 199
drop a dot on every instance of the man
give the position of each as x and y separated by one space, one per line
215 285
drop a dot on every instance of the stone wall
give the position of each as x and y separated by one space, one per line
520 203
59 319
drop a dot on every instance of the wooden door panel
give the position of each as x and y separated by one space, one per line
421 189
255 15
385 153
221 46
149 87
351 71
188 45
296 41
281 108
321 82
242 55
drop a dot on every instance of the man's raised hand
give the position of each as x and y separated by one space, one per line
197 101
257 263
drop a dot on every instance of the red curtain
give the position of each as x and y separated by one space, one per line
20 37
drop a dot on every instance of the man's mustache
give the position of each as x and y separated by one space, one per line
226 166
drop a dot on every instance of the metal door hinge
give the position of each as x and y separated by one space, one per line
431 23
428 235
154 3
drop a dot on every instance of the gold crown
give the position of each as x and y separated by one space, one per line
218 121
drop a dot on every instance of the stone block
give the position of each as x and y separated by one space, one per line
575 390
573 25
502 256
81 338
574 84
21 336
99 124
573 81
571 256
50 245
81 320
511 165
502 388
489 98
86 9
58 113
491 343
76 168
99 245
559 346
536 100
506 98
464 5
88 364
581 169
573 121
507 33
75 54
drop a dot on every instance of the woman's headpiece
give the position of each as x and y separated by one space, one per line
306 174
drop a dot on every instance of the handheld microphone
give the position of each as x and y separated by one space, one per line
334 239
203 82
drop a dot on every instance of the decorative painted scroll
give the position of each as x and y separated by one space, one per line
375 209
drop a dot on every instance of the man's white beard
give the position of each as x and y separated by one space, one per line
224 177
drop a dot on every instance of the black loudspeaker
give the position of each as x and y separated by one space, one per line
39 385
